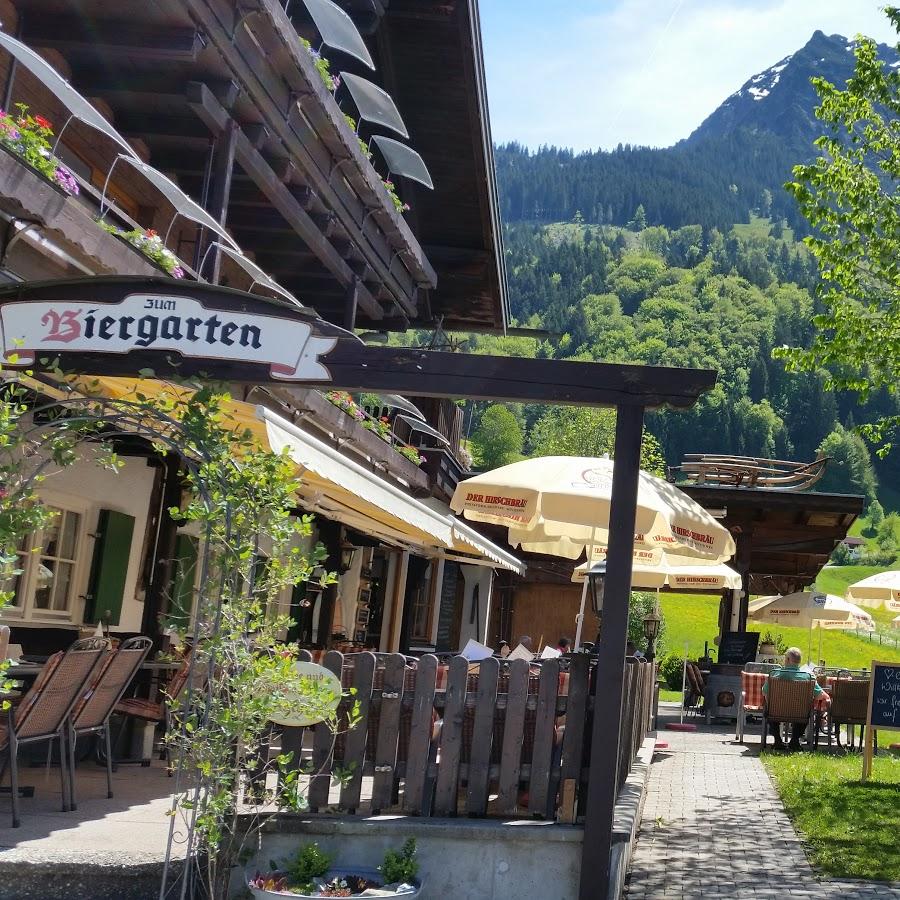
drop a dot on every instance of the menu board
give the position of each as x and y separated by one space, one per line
884 707
884 696
738 647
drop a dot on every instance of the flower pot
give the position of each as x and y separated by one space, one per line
767 649
338 871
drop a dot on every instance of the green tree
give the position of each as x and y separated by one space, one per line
876 516
849 469
498 439
639 221
849 195
587 431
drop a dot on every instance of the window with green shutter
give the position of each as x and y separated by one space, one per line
109 567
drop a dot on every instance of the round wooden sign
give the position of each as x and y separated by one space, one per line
328 696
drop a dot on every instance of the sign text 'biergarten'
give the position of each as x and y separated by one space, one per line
147 322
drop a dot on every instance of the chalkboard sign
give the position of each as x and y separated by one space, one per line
738 647
884 696
447 614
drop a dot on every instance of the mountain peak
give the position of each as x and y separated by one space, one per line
781 99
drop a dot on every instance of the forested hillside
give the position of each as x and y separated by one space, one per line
687 256
683 297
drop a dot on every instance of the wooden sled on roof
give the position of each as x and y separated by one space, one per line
749 471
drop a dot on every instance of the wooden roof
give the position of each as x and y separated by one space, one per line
430 55
787 537
175 76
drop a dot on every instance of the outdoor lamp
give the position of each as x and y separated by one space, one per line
347 558
596 576
651 632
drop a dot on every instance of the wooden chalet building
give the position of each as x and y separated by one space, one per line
234 104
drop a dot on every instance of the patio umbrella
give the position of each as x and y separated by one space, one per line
809 609
667 573
881 590
895 622
560 505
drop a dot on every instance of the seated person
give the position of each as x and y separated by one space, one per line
791 671
632 650
564 645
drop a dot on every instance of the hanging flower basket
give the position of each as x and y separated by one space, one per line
27 138
337 882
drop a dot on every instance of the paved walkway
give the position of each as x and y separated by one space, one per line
714 827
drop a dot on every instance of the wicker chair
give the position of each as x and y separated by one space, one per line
44 710
92 712
849 706
789 701
752 701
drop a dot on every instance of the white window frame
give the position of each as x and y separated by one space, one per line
74 615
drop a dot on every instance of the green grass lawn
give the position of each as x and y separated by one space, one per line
670 696
693 619
851 826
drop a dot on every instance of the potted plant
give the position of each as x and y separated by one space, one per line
768 644
311 875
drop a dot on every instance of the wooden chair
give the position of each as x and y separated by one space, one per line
789 701
752 700
44 710
156 711
696 688
849 706
93 710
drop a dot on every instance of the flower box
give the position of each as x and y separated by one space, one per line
404 891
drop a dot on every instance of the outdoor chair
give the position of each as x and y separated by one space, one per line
695 689
789 701
752 700
92 712
156 711
44 710
849 706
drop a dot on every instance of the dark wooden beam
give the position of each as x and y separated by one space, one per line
353 366
220 186
213 114
109 39
609 676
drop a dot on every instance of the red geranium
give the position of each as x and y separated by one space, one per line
44 123
150 232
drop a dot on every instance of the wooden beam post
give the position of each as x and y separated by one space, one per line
162 553
605 735
222 170
330 535
742 558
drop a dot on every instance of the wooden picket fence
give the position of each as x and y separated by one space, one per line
446 739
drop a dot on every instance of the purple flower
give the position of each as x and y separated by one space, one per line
178 272
66 180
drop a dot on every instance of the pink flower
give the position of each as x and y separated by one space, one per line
178 272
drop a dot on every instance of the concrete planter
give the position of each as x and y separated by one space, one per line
337 872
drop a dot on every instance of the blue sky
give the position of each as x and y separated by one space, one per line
592 73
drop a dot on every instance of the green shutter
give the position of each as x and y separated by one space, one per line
109 567
181 598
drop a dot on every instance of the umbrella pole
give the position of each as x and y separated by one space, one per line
683 681
579 619
819 658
